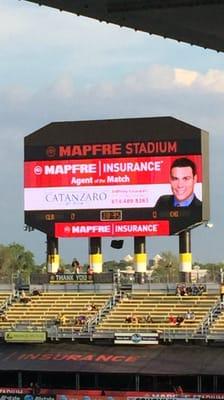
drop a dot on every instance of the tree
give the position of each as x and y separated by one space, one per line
15 259
214 271
166 268
110 266
4 259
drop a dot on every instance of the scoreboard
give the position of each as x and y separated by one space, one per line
107 177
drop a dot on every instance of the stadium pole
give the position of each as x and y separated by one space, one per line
185 256
95 254
53 259
140 257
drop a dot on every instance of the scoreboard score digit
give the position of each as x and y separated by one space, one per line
111 215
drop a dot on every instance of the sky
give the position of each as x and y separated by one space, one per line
55 66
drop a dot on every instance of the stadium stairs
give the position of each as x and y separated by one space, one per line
215 323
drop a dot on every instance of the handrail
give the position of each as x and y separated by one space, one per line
90 324
209 317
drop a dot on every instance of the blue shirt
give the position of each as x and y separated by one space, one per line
184 203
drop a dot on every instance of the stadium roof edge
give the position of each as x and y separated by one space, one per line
196 22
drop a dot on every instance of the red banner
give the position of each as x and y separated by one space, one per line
102 172
105 229
69 394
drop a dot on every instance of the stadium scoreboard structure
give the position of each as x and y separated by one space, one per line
104 178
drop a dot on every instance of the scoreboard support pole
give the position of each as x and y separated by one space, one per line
140 257
95 254
185 256
53 259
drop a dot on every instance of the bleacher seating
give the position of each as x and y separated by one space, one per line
42 310
159 306
5 298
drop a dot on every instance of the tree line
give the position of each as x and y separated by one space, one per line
16 260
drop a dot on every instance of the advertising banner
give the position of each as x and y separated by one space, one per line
68 394
61 278
102 172
25 337
27 396
120 228
98 184
136 338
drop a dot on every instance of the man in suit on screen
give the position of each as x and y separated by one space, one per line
183 177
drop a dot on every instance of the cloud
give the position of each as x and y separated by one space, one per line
64 88
156 76
167 78
211 81
145 82
185 77
156 90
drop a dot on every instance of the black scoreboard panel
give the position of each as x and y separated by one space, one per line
179 218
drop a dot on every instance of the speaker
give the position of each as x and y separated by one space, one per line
117 244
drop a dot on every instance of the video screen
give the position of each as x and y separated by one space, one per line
108 183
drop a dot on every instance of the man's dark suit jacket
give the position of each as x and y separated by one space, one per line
167 202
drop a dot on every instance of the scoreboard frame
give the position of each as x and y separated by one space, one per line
86 143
